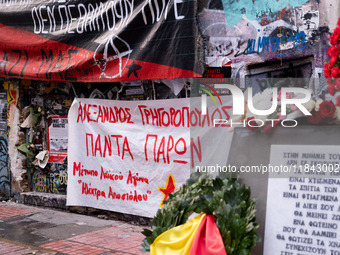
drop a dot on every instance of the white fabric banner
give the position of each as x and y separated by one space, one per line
126 156
121 153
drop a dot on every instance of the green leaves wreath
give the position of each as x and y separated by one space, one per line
226 199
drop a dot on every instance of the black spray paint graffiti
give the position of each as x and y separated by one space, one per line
228 46
5 180
317 34
55 202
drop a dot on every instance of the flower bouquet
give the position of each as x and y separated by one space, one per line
322 112
332 68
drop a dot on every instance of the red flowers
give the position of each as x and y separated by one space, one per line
326 113
327 70
338 101
335 36
315 118
327 110
332 69
335 72
333 60
333 51
331 90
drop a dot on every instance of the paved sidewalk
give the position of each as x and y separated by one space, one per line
35 230
15 248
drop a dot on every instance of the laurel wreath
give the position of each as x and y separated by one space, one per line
226 199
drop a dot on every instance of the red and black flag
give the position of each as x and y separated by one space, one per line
99 41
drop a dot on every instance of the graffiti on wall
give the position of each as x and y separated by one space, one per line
39 181
267 16
52 181
265 44
262 31
37 200
4 168
8 98
295 73
12 93
236 10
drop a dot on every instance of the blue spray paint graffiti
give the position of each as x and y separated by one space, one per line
235 9
265 43
5 181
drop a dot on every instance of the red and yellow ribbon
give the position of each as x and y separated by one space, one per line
199 236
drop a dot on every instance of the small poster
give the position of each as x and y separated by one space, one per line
58 139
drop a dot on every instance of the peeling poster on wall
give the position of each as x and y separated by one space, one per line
58 139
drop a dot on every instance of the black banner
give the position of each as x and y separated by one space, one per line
91 41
